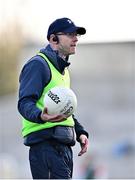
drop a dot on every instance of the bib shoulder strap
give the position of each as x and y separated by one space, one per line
43 56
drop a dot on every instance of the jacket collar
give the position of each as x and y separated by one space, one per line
55 59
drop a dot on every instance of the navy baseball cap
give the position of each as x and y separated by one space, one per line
64 25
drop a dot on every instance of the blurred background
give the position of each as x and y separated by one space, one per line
103 77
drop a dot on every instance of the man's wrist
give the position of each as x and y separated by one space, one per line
40 118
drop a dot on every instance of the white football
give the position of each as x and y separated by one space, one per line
60 100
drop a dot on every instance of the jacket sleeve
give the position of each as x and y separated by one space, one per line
79 129
33 78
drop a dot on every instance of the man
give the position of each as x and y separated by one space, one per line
50 137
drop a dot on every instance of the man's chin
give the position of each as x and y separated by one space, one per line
71 53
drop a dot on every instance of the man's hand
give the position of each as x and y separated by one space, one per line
52 118
84 144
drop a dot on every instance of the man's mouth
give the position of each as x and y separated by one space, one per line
73 45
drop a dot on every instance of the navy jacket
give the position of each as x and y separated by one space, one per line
34 76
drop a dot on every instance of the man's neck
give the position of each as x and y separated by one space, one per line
64 57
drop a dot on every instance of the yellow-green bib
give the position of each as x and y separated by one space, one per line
57 79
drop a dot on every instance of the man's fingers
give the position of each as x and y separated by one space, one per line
83 150
55 118
52 118
58 118
84 147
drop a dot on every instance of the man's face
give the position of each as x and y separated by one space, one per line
67 43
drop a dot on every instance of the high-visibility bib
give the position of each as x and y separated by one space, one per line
57 79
